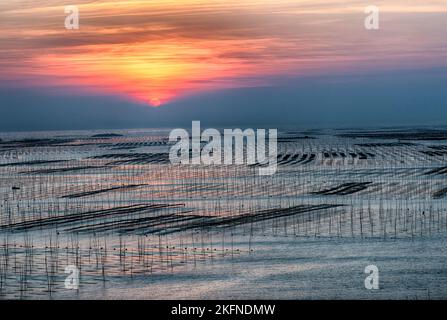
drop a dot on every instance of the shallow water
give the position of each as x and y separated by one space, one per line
298 269
138 227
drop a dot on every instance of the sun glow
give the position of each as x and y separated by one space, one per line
156 52
147 72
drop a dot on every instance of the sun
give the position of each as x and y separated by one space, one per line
155 102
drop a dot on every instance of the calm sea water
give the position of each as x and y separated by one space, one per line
110 204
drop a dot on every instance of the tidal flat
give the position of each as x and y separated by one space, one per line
111 204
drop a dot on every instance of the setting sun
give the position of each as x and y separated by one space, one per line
155 102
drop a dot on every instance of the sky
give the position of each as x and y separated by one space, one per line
162 62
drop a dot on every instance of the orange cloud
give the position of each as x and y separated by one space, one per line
158 51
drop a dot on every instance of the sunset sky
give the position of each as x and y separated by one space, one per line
156 53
